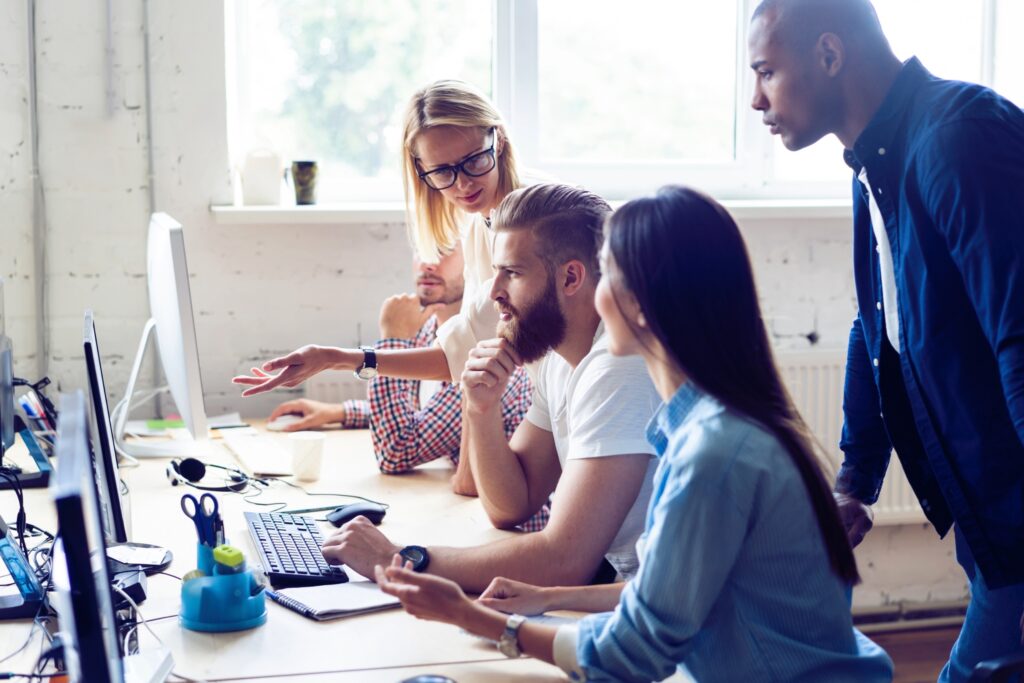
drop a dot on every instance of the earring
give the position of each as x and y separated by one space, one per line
641 320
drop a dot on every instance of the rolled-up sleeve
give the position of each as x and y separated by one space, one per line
662 609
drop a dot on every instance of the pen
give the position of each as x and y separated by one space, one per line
234 426
305 510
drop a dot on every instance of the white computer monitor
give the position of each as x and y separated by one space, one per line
170 305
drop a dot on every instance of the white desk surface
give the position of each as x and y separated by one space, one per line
385 646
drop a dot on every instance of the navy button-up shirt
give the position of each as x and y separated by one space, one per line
945 160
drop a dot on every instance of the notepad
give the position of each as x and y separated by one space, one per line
334 601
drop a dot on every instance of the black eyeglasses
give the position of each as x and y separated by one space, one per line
475 166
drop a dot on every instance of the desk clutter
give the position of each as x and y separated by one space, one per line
90 600
221 594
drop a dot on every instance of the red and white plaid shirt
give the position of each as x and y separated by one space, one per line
406 434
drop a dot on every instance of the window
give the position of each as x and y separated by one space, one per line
618 97
328 80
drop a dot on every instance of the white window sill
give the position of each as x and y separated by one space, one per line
394 212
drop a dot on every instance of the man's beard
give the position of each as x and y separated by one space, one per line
537 328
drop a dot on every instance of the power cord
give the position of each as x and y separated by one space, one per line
20 522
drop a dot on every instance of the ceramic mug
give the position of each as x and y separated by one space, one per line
304 177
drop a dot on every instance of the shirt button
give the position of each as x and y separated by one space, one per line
878 305
879 190
881 151
875 361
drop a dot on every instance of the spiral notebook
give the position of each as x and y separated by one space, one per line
334 601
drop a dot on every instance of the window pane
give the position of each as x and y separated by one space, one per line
1009 76
950 48
643 80
329 79
945 34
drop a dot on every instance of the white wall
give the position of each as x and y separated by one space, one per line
259 291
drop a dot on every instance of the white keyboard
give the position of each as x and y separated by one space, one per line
260 454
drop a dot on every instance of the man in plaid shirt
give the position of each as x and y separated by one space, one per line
411 421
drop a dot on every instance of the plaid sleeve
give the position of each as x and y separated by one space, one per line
403 434
357 414
516 401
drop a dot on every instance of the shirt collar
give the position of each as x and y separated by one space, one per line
671 415
884 125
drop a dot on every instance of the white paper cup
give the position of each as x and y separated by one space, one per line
307 454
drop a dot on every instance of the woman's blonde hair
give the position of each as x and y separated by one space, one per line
433 221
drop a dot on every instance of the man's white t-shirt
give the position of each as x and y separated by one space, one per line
598 409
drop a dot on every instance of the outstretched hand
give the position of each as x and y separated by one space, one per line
294 369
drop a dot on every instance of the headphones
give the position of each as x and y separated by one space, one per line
189 471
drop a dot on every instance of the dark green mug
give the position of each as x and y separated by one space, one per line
304 177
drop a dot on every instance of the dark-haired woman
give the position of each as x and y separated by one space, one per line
745 567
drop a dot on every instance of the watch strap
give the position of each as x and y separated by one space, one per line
508 644
422 557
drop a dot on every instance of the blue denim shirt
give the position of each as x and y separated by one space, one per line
946 164
734 579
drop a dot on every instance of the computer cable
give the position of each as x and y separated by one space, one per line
20 522
139 618
10 676
335 495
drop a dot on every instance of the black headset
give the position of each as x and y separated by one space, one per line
189 471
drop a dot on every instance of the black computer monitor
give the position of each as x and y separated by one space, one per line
6 382
108 480
84 599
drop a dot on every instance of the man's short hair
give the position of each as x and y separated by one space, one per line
567 221
802 21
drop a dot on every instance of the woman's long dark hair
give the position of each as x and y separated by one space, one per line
682 257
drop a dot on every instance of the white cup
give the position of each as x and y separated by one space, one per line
307 454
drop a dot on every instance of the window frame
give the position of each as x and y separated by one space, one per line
750 175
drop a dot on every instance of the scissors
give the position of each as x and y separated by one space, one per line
205 514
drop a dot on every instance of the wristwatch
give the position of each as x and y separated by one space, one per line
416 554
508 644
368 370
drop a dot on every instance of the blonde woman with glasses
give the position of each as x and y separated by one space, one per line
458 165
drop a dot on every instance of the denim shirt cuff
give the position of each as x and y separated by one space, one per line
861 485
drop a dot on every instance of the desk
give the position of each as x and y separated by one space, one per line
384 646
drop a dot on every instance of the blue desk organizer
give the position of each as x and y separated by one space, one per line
221 602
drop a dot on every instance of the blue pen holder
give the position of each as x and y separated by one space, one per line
220 602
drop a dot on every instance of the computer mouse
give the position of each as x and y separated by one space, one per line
346 513
279 423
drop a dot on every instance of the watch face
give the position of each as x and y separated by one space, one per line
367 372
414 555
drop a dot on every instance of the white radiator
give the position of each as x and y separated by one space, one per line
815 381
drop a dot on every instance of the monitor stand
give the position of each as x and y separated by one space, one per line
162 448
138 556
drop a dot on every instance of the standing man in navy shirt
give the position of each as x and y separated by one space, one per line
936 355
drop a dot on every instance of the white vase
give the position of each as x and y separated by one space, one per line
261 178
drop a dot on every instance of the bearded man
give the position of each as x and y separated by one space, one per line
582 442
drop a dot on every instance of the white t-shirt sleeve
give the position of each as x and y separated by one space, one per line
539 413
611 404
478 320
